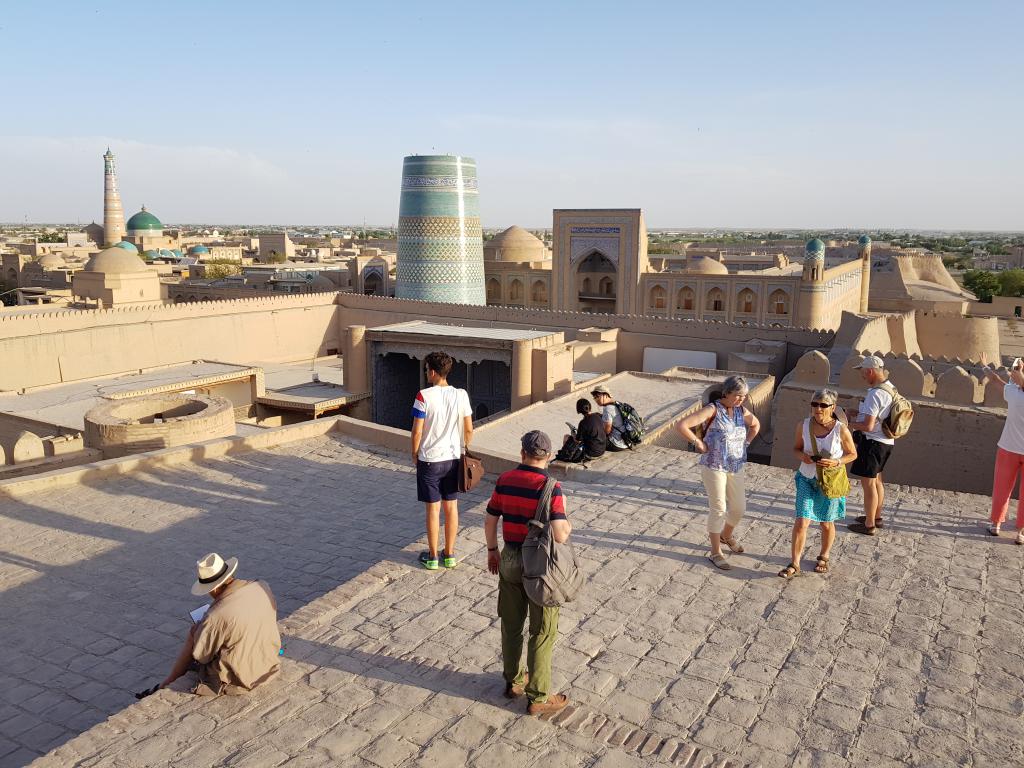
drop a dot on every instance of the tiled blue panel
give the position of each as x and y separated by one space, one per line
440 248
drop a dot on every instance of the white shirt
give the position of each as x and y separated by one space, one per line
878 403
442 410
1012 438
829 447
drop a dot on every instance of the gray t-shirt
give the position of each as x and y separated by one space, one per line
610 414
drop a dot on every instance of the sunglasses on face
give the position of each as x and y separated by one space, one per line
822 405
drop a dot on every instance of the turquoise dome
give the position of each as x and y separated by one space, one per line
175 252
152 254
127 246
815 249
863 240
144 221
198 249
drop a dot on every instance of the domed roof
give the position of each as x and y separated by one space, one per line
152 253
143 221
198 249
815 250
114 261
517 244
705 265
52 261
321 283
126 246
864 240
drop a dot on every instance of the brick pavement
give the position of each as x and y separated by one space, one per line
908 653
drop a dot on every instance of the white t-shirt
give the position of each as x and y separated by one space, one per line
610 414
1012 438
442 410
829 447
878 403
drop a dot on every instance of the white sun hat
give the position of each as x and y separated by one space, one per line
213 571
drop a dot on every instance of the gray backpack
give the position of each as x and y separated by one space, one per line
551 575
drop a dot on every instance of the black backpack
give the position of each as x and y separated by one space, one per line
572 452
633 429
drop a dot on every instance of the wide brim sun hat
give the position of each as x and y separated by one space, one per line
213 571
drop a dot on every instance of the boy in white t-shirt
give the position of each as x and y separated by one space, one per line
442 423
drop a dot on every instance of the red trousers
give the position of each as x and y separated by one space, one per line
1008 467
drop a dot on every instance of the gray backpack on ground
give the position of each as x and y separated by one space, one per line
551 575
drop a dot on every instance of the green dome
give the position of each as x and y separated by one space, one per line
864 240
815 249
142 221
125 245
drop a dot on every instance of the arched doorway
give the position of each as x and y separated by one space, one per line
515 292
539 292
596 268
372 284
493 291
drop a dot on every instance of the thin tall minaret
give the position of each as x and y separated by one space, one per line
864 248
113 212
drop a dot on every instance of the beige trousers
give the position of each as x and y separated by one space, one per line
727 498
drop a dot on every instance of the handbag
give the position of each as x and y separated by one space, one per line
551 574
471 471
833 481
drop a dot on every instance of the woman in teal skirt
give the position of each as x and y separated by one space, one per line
821 441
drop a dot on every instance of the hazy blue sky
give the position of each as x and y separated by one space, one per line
904 114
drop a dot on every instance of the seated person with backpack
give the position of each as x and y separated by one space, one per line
622 424
588 440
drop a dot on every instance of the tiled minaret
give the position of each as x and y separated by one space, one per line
440 244
113 213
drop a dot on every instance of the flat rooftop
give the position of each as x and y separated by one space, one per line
66 404
479 332
658 399
906 654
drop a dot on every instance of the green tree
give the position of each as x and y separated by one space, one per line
218 268
982 284
276 258
1011 282
52 237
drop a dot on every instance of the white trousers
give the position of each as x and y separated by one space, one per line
727 498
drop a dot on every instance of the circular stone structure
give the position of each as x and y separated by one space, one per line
516 244
863 240
440 244
152 422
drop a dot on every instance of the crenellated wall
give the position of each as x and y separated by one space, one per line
636 332
55 347
957 419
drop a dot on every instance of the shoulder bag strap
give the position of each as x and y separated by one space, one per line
540 517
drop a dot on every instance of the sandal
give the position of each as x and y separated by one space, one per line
992 528
1020 538
822 566
791 571
734 545
719 561
147 692
879 522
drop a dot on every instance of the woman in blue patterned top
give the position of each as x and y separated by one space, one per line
821 441
728 428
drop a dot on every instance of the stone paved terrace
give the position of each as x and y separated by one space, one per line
909 653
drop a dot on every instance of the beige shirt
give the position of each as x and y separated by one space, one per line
238 641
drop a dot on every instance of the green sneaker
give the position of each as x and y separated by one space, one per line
449 561
428 561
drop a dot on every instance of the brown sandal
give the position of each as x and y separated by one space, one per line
791 571
822 566
734 545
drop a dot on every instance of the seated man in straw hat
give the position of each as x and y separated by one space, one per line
235 646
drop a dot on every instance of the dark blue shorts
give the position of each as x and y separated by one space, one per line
436 480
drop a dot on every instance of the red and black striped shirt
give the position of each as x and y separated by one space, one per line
515 500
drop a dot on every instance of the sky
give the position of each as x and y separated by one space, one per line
728 114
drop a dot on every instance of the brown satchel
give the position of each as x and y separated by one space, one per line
471 471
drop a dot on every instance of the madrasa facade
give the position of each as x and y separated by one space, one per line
599 263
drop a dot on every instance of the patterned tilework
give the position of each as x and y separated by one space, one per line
440 244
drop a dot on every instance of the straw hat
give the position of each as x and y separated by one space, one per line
213 571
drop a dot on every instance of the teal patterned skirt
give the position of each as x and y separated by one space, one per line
812 504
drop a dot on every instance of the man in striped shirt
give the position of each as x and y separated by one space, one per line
515 500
